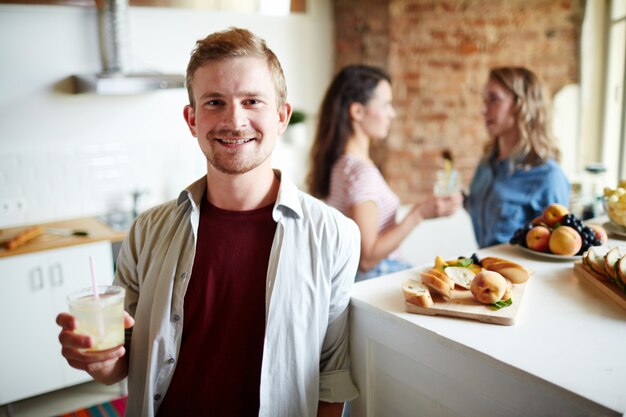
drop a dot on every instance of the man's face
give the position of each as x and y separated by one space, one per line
236 119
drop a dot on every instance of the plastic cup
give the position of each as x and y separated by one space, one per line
447 182
100 317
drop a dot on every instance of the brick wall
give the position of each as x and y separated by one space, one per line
438 54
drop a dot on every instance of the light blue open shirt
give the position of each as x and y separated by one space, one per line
502 199
313 261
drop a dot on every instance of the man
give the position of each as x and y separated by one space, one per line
239 288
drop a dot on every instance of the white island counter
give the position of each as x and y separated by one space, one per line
564 356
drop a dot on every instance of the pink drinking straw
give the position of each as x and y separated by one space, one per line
96 296
94 280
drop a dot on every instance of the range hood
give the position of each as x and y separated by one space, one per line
126 83
117 77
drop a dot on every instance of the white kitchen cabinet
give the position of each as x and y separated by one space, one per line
33 288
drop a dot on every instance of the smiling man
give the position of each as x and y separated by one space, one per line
237 292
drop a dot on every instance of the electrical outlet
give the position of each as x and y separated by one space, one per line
6 207
11 206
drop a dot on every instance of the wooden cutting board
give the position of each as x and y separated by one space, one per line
608 288
463 305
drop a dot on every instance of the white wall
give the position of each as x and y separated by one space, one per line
448 237
64 155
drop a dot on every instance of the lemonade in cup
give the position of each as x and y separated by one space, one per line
447 182
99 315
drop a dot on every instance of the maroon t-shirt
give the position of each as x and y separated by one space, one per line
218 372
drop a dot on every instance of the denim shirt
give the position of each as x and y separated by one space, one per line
502 199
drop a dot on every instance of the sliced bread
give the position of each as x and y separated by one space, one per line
416 293
611 258
442 276
594 259
437 285
620 267
461 276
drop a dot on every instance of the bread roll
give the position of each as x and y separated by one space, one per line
416 293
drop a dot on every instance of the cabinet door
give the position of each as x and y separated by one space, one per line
69 271
33 290
29 363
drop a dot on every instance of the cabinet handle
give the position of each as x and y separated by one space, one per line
56 275
36 279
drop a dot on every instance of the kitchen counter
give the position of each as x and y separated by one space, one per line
97 231
565 354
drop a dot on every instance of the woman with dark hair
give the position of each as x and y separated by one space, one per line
519 174
356 110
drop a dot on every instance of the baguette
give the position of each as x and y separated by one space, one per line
436 284
442 276
488 260
514 272
416 293
23 237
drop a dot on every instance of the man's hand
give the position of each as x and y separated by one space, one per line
105 365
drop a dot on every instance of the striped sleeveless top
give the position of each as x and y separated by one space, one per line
353 181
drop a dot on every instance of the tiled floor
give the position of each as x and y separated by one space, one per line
63 401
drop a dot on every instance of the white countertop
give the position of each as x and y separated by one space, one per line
567 332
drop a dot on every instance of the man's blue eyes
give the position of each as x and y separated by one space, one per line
221 103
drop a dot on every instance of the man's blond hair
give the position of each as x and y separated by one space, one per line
234 43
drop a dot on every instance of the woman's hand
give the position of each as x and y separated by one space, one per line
439 206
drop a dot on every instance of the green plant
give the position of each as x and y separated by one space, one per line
297 116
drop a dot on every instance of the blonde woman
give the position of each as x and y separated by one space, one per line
518 175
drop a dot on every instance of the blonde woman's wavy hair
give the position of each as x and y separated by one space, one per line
536 144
